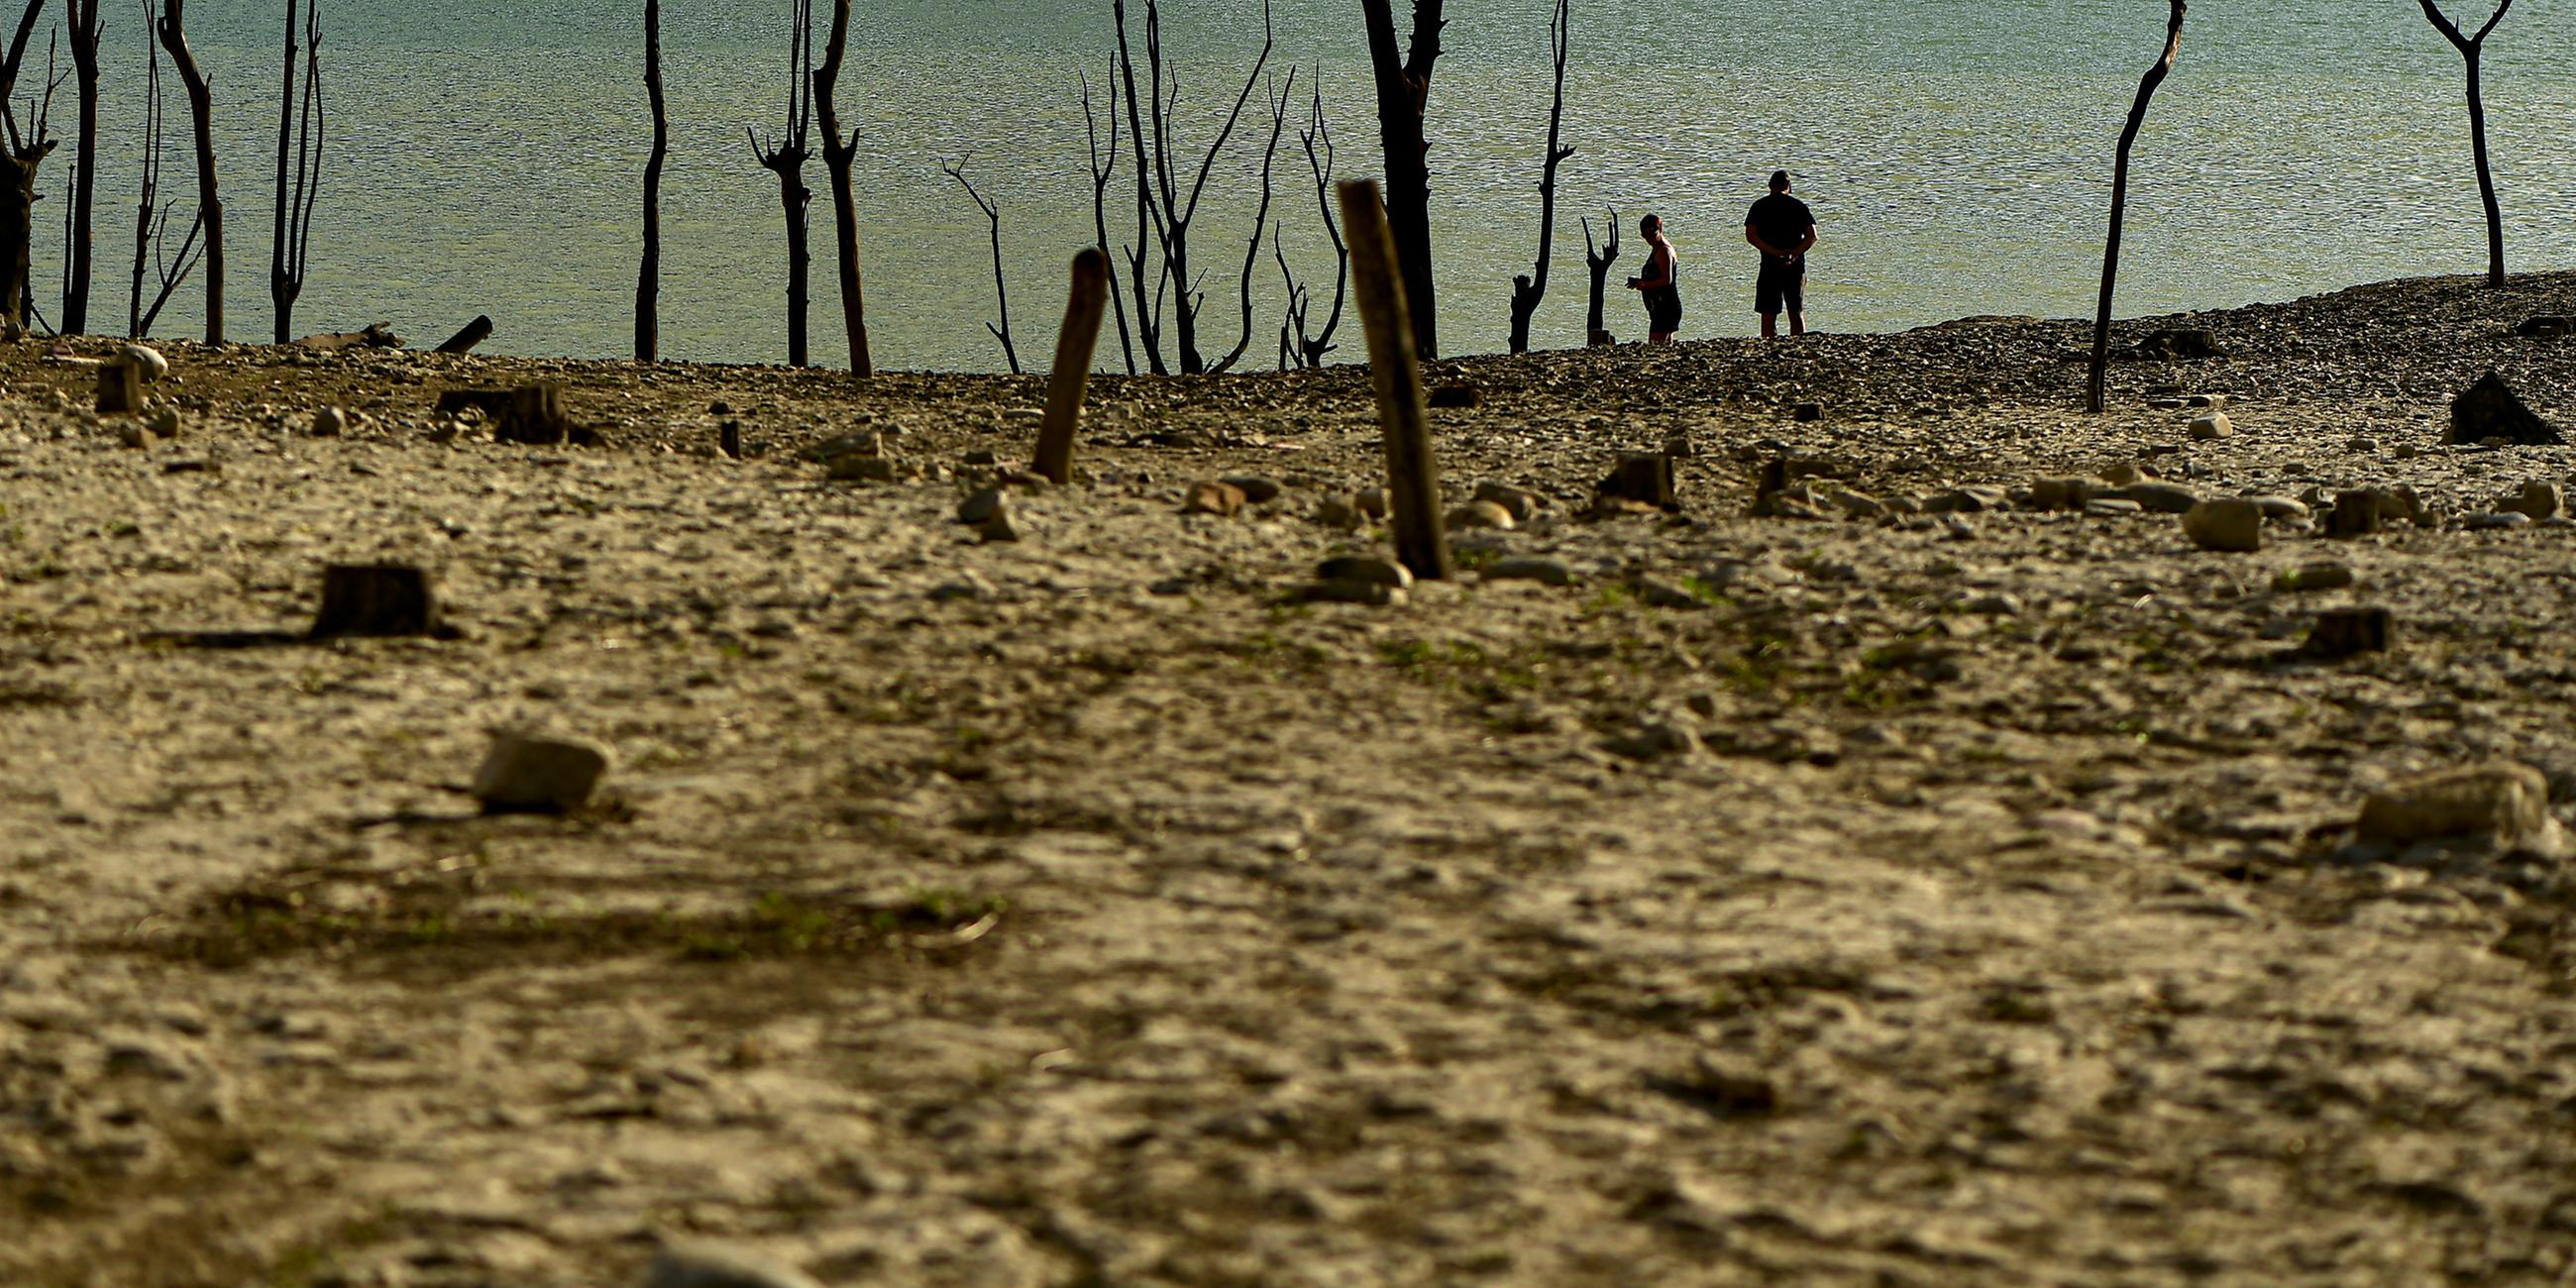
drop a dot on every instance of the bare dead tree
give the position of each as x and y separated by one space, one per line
1531 287
2471 48
840 155
1170 210
1104 166
151 217
2120 201
1260 219
210 206
299 123
648 277
86 30
786 156
1149 320
1317 136
992 215
1596 329
27 150
1403 96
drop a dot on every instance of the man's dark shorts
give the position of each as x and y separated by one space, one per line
1783 284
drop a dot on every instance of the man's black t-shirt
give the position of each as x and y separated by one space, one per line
1782 220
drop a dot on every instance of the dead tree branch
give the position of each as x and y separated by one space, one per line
648 277
992 215
786 156
1595 328
2471 50
210 206
151 217
1403 98
27 150
840 156
2120 201
1104 166
1529 288
86 30
1260 218
299 123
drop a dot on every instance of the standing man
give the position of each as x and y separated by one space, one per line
1661 284
1782 228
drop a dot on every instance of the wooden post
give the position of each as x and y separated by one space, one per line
1072 374
120 388
1412 476
376 599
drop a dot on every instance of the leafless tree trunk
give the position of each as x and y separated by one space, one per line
1317 137
993 215
1403 96
1596 328
787 156
1171 211
1529 288
27 151
1149 217
299 124
648 278
839 156
210 206
85 32
2120 201
1104 166
151 217
1260 219
2471 47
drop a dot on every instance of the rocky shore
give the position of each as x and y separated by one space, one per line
1961 840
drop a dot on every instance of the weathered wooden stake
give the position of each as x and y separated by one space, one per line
120 388
1072 375
1412 475
536 416
376 599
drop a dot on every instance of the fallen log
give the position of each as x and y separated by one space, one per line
378 335
475 332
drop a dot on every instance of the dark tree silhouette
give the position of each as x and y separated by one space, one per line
27 150
1149 308
299 142
1104 167
151 217
1596 328
1529 288
1403 95
786 156
210 206
648 278
1161 199
2120 201
992 215
1308 349
1260 219
2471 48
840 154
79 241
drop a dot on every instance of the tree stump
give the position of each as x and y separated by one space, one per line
2491 409
120 388
535 416
1643 477
2348 632
375 599
729 439
2356 514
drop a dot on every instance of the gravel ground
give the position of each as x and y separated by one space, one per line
1904 885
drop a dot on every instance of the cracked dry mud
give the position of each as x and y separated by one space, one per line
1921 899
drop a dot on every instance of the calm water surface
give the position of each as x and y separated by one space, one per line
485 157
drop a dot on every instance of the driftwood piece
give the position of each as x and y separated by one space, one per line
376 599
1074 346
120 388
378 335
492 403
2120 203
1643 477
1412 474
475 332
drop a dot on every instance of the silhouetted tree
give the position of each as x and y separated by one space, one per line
786 157
210 206
1308 350
1104 166
299 139
648 278
1260 219
1596 329
2471 48
151 217
993 215
2120 200
79 241
1403 95
1529 288
28 149
839 156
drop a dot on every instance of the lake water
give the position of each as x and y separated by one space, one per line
485 157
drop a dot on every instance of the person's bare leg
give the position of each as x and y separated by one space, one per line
1798 323
1770 326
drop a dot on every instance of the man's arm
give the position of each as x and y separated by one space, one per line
1809 243
1755 237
